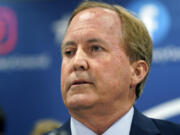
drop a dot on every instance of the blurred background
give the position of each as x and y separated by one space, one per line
31 32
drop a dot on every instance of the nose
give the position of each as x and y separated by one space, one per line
80 62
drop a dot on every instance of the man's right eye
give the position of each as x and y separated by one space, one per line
69 53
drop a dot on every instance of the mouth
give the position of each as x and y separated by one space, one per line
79 83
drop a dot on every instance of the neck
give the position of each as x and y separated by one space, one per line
99 121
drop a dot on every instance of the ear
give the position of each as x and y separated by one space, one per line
139 72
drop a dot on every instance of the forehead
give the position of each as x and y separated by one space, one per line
96 15
96 12
101 19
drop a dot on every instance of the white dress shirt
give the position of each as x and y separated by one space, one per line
121 127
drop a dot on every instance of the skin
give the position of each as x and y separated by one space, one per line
97 78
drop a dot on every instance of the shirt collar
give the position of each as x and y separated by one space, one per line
121 126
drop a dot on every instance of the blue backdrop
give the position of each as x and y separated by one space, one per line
30 36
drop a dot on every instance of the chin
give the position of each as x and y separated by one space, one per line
78 107
79 103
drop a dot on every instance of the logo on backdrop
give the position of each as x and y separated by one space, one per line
59 27
155 16
8 41
8 30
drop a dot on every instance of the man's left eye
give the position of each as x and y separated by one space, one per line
96 48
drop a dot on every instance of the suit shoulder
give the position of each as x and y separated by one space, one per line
167 127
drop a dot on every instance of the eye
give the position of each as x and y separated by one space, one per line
69 52
96 48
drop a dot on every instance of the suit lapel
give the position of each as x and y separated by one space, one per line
142 125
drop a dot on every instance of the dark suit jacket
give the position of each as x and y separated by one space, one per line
141 125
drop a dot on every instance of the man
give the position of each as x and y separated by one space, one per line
106 56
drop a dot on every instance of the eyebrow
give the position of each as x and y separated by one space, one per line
68 43
94 40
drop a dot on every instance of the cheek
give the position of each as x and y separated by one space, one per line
103 72
64 74
65 68
113 72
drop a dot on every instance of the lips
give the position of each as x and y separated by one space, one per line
79 83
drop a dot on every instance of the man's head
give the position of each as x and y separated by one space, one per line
106 56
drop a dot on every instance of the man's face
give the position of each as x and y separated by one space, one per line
95 69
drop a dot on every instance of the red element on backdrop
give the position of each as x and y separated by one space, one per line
8 30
